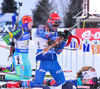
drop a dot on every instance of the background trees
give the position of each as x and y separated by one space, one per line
42 11
9 6
74 7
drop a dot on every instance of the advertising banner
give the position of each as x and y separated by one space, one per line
88 33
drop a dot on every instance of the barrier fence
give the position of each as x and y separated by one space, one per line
71 60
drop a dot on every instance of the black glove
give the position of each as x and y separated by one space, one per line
64 34
68 33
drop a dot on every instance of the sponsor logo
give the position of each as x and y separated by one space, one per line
41 70
5 28
23 50
59 71
88 34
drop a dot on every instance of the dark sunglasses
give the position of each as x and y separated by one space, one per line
57 21
55 25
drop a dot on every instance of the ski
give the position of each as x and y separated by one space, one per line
22 75
8 80
15 74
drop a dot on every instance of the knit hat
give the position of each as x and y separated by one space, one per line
54 18
26 19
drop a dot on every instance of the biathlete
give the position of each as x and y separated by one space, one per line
20 57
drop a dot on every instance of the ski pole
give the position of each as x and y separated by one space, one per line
78 23
23 75
71 36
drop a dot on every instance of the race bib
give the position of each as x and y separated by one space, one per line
41 43
18 59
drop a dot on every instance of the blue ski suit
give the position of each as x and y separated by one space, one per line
47 62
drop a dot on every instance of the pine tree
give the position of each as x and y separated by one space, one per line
42 12
9 6
73 8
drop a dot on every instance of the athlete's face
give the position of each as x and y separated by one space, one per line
30 24
89 81
55 26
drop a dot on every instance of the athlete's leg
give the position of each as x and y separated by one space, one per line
19 68
27 66
57 73
42 68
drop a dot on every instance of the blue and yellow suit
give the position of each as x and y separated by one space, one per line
20 57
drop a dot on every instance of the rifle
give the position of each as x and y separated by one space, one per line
62 36
15 27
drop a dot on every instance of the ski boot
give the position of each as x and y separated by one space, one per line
14 85
50 82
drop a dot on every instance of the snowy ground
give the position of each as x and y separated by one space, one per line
68 59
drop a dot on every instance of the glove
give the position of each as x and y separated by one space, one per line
64 34
67 34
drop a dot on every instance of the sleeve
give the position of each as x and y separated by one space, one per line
60 47
15 34
41 32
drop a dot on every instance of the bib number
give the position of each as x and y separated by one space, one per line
18 59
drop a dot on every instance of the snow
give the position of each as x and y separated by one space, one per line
68 59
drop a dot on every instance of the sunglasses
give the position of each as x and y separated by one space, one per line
57 21
55 25
91 69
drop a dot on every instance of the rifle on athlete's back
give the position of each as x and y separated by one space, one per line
14 27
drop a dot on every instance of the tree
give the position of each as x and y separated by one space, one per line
9 6
73 8
42 12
